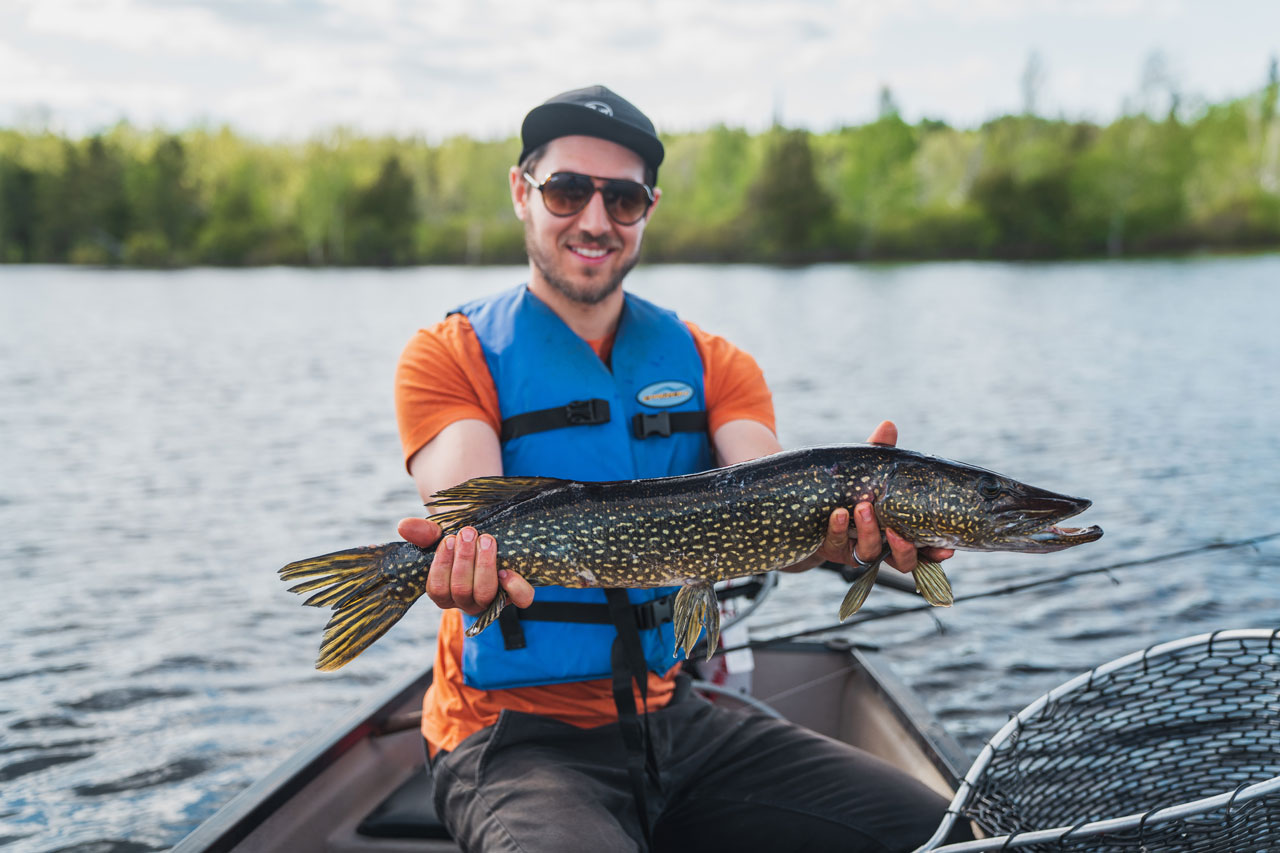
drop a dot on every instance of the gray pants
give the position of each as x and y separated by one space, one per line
730 780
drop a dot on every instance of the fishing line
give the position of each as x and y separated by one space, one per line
860 618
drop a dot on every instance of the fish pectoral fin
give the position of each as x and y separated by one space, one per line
696 607
932 583
857 594
490 615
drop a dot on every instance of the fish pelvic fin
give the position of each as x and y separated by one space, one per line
480 497
369 590
696 607
490 614
932 583
857 594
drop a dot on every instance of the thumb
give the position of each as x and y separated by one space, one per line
885 433
422 532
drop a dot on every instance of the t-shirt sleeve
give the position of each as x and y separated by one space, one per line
733 382
442 377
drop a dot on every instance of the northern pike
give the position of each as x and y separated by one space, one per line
692 531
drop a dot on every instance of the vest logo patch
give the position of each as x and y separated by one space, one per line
665 394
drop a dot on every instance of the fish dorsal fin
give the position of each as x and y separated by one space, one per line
480 497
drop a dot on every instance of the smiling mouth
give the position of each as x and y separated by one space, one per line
590 253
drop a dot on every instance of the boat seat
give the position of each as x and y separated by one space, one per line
409 812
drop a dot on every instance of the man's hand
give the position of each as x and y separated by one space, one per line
464 573
867 540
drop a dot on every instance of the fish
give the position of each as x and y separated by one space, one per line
692 531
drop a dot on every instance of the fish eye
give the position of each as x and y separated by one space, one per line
989 488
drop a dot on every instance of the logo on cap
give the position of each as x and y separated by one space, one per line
600 107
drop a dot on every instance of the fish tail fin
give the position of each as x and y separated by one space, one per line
369 590
857 594
932 583
696 607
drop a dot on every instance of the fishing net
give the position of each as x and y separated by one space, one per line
1176 748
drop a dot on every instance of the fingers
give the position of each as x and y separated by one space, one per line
836 546
902 553
885 433
422 532
440 572
485 582
937 555
516 587
462 577
868 533
464 573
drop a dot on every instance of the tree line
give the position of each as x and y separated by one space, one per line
1020 186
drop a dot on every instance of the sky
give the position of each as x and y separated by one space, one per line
294 69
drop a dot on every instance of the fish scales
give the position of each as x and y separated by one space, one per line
692 531
662 539
749 525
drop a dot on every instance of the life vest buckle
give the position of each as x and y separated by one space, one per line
653 613
646 424
587 412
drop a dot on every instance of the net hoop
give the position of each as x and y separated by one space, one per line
1137 820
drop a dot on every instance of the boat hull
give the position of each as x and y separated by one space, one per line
318 799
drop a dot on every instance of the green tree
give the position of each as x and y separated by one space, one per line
17 213
789 213
239 228
383 216
872 174
166 208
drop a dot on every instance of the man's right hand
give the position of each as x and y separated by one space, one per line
464 573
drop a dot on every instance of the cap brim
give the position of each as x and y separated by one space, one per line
551 121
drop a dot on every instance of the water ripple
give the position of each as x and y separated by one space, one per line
123 697
46 723
35 765
174 772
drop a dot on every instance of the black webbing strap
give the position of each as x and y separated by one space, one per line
649 615
509 624
577 413
644 425
627 659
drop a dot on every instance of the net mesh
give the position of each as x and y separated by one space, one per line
1167 729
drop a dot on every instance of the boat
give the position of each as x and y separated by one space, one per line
363 787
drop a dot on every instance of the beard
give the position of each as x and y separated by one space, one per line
600 284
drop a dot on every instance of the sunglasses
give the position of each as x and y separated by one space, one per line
567 193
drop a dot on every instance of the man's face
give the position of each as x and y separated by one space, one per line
586 255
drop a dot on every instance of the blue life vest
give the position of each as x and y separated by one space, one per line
538 363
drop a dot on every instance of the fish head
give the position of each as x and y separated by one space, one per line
945 504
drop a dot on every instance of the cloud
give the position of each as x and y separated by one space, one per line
295 67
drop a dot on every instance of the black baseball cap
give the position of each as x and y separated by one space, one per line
593 111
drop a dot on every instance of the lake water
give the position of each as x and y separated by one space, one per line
169 439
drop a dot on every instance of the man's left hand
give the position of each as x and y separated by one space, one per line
868 537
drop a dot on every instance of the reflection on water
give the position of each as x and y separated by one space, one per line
170 439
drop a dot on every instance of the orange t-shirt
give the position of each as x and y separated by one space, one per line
442 378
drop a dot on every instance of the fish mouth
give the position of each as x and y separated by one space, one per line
1031 523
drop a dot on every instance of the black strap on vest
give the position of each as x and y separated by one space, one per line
649 615
596 411
644 425
576 413
627 662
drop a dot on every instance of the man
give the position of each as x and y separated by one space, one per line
537 737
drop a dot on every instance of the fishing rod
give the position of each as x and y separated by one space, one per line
860 618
